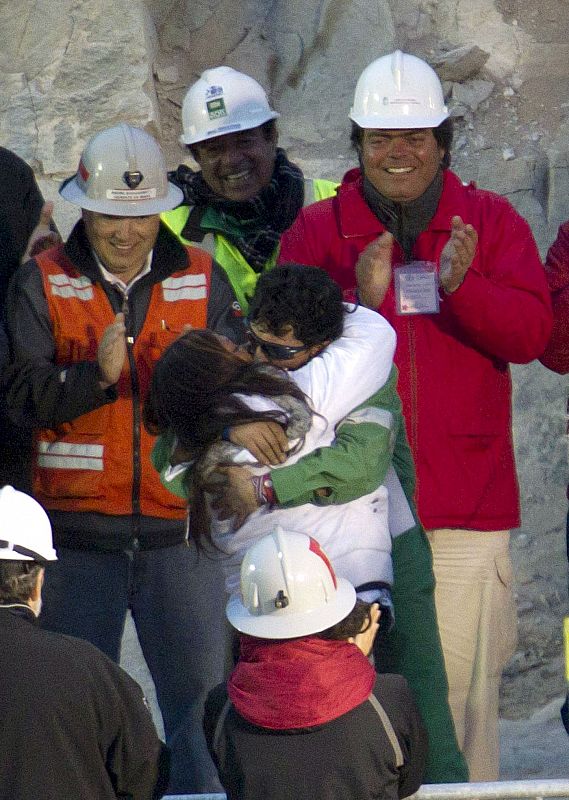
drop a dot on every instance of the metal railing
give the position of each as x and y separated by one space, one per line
496 790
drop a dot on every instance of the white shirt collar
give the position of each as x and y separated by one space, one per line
115 281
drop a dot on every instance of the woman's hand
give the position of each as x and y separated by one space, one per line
364 640
265 440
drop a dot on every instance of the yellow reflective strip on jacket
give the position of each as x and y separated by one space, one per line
318 189
176 220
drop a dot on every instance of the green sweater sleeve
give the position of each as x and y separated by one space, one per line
355 463
160 457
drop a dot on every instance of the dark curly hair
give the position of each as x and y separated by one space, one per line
443 134
305 298
357 621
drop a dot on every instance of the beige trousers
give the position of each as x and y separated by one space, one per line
478 626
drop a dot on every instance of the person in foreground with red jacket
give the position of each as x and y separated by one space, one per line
556 354
457 273
303 713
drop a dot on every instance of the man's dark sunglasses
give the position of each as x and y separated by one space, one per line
274 352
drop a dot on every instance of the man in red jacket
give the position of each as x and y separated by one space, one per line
556 355
457 273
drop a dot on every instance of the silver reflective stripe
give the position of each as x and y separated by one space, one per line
220 723
386 722
207 244
309 193
64 455
188 287
377 416
399 512
64 286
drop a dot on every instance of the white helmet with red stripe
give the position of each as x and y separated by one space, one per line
288 589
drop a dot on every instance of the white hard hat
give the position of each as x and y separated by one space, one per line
223 101
122 171
25 530
398 91
288 589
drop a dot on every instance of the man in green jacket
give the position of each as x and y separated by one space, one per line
247 192
340 473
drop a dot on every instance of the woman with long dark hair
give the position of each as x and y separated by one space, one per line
203 386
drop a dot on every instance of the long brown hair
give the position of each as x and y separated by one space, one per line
193 395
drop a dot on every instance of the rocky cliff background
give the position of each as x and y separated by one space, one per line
69 69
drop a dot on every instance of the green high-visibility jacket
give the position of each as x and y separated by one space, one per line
242 276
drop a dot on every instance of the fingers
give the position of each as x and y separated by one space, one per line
265 440
272 445
374 615
385 242
381 247
373 270
46 213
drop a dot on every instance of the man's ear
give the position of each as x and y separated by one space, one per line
317 348
274 136
194 152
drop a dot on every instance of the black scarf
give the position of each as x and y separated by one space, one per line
405 220
254 226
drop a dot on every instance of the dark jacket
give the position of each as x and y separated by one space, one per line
72 723
20 205
37 395
349 758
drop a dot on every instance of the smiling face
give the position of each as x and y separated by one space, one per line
238 166
401 164
122 243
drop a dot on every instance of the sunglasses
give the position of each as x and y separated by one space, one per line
274 352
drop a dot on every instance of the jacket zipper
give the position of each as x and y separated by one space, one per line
136 422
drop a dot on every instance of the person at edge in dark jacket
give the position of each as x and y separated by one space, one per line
87 321
303 713
72 723
556 354
25 227
457 273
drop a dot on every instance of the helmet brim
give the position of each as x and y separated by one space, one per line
400 122
249 122
283 625
73 193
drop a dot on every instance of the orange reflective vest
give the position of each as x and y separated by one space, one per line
101 461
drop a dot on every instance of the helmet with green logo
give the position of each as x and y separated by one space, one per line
223 101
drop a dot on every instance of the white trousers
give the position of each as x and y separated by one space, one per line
478 626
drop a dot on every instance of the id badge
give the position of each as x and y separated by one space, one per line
417 288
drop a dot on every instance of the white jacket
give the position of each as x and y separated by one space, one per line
355 535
